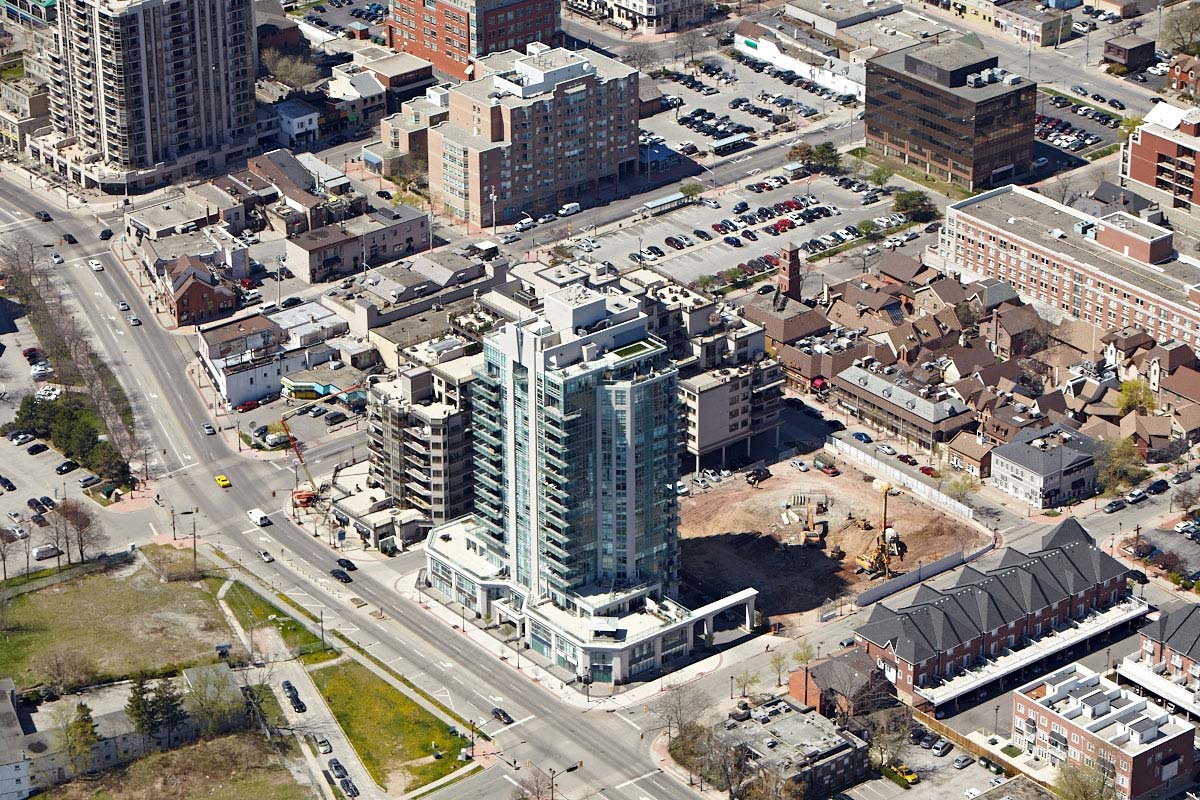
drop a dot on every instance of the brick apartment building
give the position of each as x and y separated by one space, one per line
999 617
1184 72
452 36
1074 716
1167 662
947 109
1098 269
1159 160
536 130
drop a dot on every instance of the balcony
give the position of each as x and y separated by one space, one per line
1073 633
1184 694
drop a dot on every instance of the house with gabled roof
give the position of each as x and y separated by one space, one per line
990 622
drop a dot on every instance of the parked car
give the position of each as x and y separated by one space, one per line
886 449
1114 506
862 437
963 761
1136 496
1158 487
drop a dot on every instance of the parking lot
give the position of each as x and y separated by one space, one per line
335 16
937 777
722 81
709 257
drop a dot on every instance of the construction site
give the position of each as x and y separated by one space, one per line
805 538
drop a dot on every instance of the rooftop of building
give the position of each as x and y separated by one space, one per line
1019 787
978 598
1045 451
1036 11
1177 627
1129 41
511 67
237 328
949 56
335 379
792 737
1050 227
931 403
424 326
1104 708
838 10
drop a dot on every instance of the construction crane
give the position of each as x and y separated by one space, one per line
878 558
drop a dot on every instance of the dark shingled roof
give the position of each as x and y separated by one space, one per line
1177 627
937 621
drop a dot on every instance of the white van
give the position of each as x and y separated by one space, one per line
258 516
44 551
569 209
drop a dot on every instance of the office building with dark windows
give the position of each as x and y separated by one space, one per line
948 109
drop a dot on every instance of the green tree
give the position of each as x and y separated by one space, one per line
705 282
1136 396
801 153
1129 125
915 204
826 156
1119 464
81 441
880 176
962 487
746 681
167 708
691 189
107 462
140 708
81 739
778 663
869 230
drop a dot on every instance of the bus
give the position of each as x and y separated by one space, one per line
731 144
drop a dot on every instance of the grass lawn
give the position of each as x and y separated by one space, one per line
174 560
391 733
230 768
903 170
120 623
252 612
17 580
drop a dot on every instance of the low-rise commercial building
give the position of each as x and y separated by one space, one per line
800 746
891 399
1033 23
1074 716
247 358
24 108
988 623
829 16
1047 467
950 111
335 251
1130 51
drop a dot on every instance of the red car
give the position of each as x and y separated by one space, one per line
907 459
771 259
246 283
671 241
249 405
718 227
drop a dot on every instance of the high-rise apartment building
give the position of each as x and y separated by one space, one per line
575 533
452 35
149 91
1159 162
947 109
536 130
419 437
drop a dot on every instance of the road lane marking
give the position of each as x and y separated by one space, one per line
511 780
515 724
632 781
628 721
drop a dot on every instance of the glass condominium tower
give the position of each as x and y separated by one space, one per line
575 413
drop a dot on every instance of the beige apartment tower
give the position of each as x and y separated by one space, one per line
149 91
534 131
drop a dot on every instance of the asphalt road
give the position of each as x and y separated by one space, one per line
150 362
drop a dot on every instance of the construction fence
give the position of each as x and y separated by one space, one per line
896 477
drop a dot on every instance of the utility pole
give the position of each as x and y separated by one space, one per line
322 629
172 524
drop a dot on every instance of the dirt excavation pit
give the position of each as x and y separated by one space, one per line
734 535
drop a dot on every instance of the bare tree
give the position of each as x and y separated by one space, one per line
679 706
214 705
640 56
1061 190
83 526
691 40
58 534
8 549
535 785
1083 783
63 667
772 784
890 729
1181 30
727 760
291 70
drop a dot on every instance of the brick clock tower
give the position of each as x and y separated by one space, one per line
789 280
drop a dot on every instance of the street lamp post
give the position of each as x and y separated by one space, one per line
492 197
